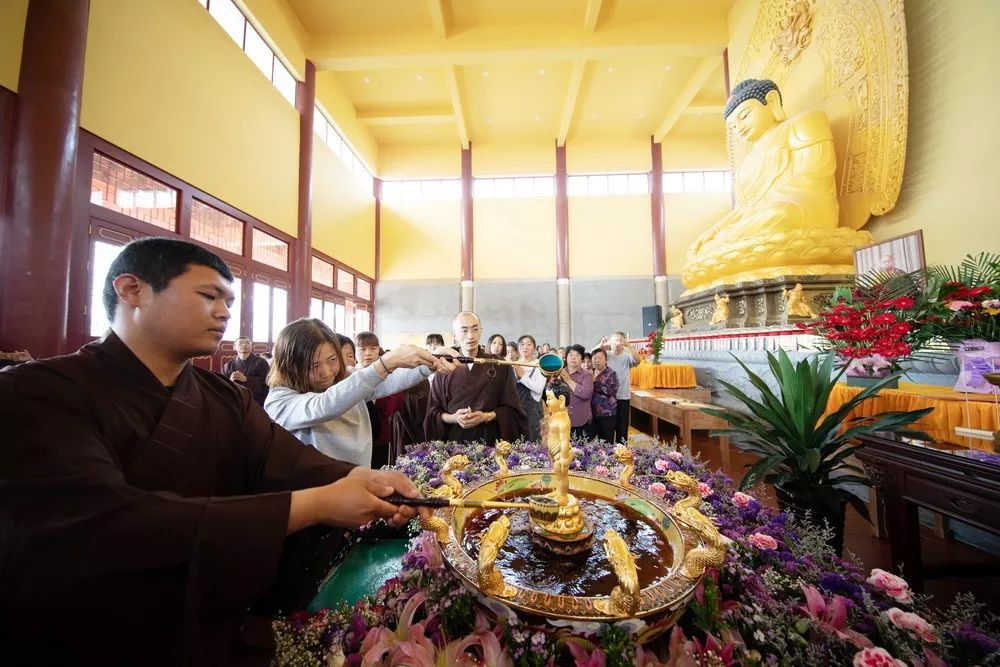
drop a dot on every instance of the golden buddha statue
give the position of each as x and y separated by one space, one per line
795 302
721 313
676 317
786 217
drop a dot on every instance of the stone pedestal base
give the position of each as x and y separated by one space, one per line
755 304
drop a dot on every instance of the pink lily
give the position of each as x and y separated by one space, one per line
831 616
583 659
378 642
644 658
412 654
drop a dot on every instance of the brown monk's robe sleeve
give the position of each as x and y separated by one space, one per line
437 405
78 543
511 418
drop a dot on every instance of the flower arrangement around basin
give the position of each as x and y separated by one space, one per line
804 451
781 598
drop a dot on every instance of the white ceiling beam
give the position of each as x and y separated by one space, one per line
328 62
683 100
406 116
439 17
569 105
592 14
458 107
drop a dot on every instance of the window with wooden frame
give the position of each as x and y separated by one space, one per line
157 204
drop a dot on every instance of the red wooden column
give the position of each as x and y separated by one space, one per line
725 70
659 225
564 328
466 296
305 102
37 230
377 193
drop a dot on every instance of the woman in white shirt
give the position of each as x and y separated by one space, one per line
315 397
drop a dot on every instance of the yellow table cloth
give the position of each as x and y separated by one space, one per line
666 376
951 409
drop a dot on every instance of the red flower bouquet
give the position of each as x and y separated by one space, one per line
872 329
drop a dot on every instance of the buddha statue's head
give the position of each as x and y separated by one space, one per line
754 107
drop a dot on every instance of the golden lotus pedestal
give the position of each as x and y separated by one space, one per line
558 572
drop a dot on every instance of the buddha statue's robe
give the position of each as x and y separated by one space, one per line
138 523
786 215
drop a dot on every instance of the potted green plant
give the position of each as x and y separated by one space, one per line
804 454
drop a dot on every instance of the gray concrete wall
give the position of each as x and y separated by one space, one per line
602 305
511 308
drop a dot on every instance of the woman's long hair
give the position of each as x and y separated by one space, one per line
489 344
293 354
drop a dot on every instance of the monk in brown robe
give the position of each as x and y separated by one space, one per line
248 369
145 502
475 401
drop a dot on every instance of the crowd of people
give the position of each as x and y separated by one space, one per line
343 396
155 512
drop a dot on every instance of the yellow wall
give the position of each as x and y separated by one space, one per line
419 161
421 240
694 154
513 159
610 236
686 216
343 214
953 138
601 157
331 96
12 17
163 81
514 238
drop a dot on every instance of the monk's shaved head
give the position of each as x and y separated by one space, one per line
465 314
467 329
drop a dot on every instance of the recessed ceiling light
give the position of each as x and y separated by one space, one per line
593 116
420 77
668 68
368 79
537 118
611 69
490 119
542 71
642 114
486 74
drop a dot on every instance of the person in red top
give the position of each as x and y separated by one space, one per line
382 409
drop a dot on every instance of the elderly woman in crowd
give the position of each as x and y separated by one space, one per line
604 399
581 387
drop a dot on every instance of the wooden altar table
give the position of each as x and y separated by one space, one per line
686 415
951 409
664 376
907 476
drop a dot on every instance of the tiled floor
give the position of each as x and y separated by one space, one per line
869 550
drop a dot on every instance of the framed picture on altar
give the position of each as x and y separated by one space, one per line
896 256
